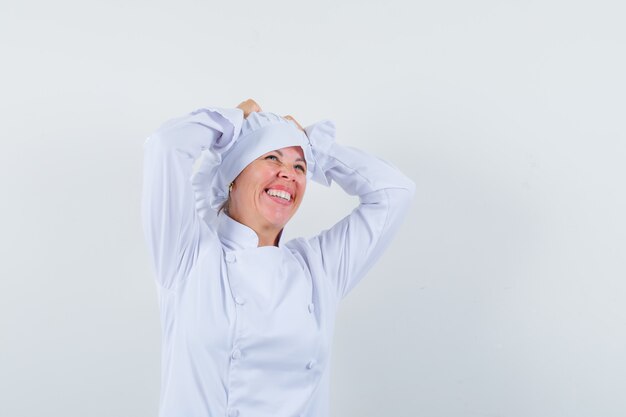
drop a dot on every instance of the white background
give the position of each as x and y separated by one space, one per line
503 294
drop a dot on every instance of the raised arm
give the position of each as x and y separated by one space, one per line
353 245
172 227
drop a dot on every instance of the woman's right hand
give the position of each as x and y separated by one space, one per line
249 106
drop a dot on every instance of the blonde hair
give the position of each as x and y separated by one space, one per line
225 204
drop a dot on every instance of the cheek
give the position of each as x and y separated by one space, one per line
302 188
264 172
256 178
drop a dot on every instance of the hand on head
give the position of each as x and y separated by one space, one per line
295 121
250 106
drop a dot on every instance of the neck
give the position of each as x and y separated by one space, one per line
268 237
263 241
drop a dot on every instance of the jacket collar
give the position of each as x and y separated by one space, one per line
237 236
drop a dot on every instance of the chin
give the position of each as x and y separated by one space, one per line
277 222
277 218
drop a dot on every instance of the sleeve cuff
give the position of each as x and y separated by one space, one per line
321 137
230 121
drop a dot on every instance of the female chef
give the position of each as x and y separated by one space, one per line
247 319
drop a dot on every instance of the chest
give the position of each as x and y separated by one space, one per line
261 303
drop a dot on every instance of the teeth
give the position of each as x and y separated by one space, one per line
278 193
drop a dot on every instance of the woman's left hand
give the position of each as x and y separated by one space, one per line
295 121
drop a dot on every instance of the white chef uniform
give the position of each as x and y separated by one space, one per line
247 330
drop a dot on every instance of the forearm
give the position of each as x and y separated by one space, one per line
357 172
210 128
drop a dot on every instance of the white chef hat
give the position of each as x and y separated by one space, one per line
261 132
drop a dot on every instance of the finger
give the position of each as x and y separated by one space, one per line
297 124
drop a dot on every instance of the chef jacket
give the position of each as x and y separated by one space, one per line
247 330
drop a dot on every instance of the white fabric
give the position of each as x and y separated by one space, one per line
247 330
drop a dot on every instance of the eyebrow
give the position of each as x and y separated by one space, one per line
298 159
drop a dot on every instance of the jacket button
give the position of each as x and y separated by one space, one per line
240 300
233 412
231 258
311 364
236 354
311 307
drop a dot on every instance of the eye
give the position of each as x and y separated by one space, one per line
272 156
301 168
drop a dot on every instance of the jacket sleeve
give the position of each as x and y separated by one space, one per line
354 244
173 228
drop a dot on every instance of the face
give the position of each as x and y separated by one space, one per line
268 192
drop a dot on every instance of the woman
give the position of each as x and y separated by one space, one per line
247 319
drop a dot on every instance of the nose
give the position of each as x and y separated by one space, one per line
287 173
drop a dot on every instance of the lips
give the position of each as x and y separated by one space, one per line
280 194
280 187
278 200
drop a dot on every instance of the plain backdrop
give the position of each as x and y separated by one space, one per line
502 295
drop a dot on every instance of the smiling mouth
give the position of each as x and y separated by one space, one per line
279 196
